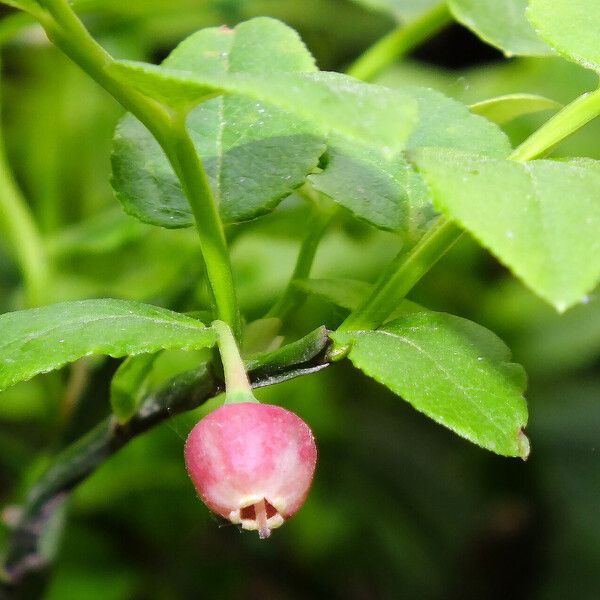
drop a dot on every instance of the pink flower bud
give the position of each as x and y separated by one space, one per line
252 463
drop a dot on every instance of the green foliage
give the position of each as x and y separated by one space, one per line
455 371
332 102
384 190
236 137
363 171
43 339
346 293
501 23
110 230
504 109
138 263
570 27
275 137
556 344
519 212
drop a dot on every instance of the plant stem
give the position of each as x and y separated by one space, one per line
237 384
292 296
571 118
68 33
194 181
21 230
401 275
25 240
399 42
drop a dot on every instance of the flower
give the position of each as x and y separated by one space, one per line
252 463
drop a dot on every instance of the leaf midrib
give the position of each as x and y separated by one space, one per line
449 377
83 321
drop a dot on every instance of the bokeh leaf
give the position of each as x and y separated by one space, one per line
453 370
107 231
553 344
254 154
346 293
153 267
501 23
569 26
540 218
29 6
43 339
503 109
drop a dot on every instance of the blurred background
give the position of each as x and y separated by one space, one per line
400 507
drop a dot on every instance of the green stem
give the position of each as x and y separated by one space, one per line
21 230
68 33
571 118
399 42
190 170
292 296
24 237
237 384
401 275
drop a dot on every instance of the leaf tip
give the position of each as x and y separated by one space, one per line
524 447
561 306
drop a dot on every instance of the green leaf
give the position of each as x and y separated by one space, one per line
43 339
503 109
331 102
384 189
540 218
570 27
254 154
501 23
401 10
346 293
127 387
270 367
455 371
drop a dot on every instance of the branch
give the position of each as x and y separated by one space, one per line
27 551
